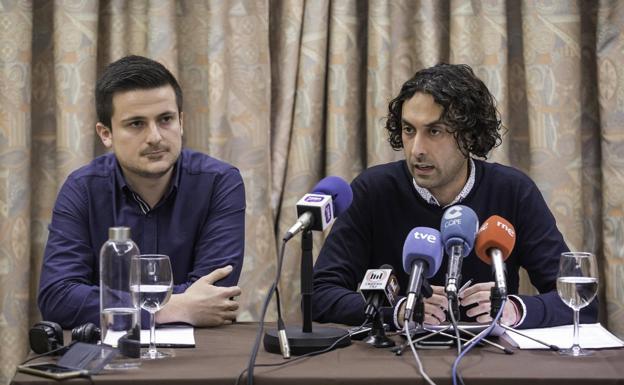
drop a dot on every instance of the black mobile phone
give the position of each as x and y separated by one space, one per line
51 370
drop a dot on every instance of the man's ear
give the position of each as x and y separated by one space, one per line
105 134
181 123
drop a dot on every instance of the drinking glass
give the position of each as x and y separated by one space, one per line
154 290
577 285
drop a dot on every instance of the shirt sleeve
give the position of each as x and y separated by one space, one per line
540 245
68 291
221 241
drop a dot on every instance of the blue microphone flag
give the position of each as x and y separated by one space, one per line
423 244
459 228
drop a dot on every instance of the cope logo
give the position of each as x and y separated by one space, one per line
452 216
313 198
453 212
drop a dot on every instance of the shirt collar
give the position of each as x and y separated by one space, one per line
123 185
429 198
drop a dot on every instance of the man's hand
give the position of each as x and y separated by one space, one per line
203 304
434 307
480 294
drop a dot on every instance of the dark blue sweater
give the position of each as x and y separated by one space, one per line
386 207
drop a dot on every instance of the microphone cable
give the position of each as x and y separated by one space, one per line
411 345
301 357
454 322
265 305
472 343
61 349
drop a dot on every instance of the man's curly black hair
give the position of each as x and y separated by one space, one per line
469 107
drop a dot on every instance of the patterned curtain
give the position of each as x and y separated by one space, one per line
290 91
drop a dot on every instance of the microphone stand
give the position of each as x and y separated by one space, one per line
306 340
554 348
377 335
497 297
418 316
443 332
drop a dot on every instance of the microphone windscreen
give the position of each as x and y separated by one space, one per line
496 233
339 190
459 227
423 244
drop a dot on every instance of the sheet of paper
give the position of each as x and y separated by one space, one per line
591 336
168 336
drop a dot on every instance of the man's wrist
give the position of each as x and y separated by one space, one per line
173 311
520 309
398 314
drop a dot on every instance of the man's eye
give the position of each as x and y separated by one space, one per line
166 119
435 131
136 124
408 129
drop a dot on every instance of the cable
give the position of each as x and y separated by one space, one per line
307 355
472 343
455 325
420 366
265 305
281 327
50 352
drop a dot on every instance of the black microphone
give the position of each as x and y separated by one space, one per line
379 288
422 257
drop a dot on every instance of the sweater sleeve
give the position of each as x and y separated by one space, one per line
539 247
342 263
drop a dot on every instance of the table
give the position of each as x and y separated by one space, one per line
222 353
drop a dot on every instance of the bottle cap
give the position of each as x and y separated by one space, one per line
119 233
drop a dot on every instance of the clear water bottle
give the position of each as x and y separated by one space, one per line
119 305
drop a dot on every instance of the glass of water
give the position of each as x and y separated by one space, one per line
577 285
154 290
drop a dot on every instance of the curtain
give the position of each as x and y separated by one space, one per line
290 91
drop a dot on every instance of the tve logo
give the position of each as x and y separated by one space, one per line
427 237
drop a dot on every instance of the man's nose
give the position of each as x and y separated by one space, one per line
153 134
419 145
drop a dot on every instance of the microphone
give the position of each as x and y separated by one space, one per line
495 240
422 256
316 211
459 228
379 288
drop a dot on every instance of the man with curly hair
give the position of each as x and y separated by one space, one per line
443 119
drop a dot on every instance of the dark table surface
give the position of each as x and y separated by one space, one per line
222 353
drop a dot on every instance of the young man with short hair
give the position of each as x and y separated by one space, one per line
177 202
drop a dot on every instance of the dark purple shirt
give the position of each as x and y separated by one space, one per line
199 224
